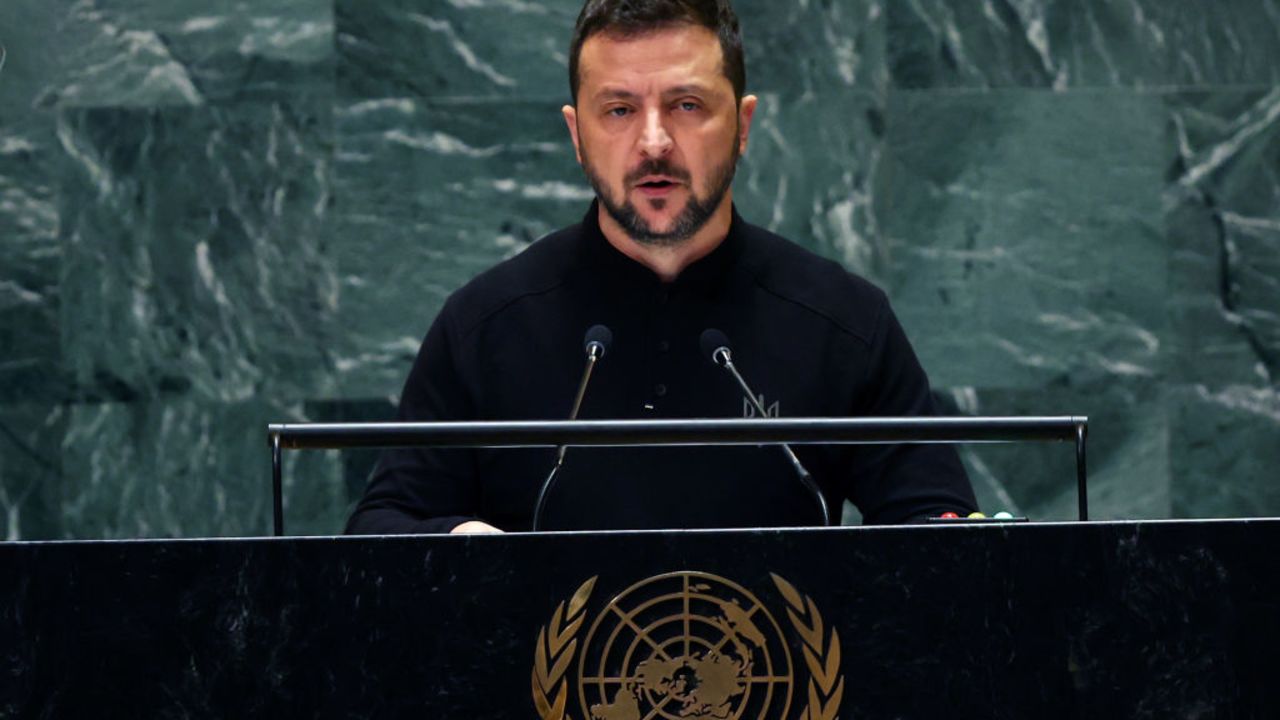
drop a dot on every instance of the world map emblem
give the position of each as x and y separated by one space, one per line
687 645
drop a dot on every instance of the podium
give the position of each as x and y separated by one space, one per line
1079 620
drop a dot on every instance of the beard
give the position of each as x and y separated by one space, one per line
697 210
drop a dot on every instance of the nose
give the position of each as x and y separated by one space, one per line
654 139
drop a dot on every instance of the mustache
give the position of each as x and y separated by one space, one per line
657 167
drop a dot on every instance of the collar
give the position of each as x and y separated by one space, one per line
703 275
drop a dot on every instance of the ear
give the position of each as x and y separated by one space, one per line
571 119
746 111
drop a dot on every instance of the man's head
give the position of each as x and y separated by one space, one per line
632 18
659 116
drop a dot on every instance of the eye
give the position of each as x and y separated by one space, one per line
618 111
688 105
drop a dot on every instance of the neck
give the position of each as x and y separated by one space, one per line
668 261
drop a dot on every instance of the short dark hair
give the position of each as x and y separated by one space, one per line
629 18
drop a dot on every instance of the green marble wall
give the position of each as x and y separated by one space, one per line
215 215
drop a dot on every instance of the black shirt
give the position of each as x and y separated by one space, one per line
810 337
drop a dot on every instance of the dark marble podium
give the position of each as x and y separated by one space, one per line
1146 619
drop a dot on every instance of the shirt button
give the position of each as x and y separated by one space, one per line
663 346
660 390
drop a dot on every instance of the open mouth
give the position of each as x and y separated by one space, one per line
657 185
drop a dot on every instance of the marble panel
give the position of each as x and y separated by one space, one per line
1223 205
181 468
1127 460
431 194
1023 232
30 258
31 470
30 262
147 53
193 252
32 62
177 251
809 172
1082 43
519 49
1225 457
813 48
935 43
1223 220
471 48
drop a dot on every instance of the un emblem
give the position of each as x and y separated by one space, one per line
686 645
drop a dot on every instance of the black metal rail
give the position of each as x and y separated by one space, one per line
616 433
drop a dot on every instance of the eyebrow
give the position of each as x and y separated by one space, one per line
615 94
689 89
620 94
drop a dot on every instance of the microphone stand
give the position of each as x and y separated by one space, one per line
721 356
594 351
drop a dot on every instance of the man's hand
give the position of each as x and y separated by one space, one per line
474 527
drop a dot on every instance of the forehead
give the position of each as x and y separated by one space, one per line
677 55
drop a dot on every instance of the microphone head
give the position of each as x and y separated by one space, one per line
598 338
713 342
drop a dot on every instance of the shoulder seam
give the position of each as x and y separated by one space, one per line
484 317
816 311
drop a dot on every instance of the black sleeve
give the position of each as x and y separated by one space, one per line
424 490
903 483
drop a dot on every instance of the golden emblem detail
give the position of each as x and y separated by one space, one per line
686 645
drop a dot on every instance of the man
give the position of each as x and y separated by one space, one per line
658 122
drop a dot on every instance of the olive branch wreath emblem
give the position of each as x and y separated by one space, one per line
826 686
557 644
554 653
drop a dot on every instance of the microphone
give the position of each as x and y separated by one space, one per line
715 345
595 344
